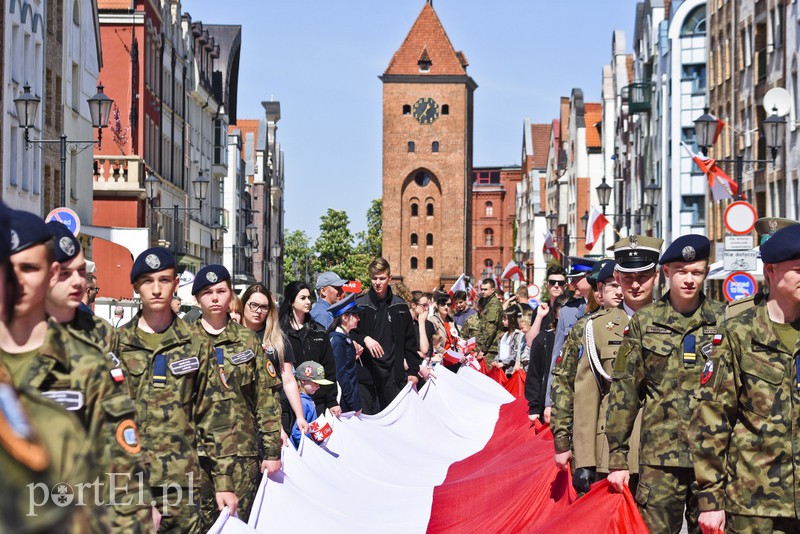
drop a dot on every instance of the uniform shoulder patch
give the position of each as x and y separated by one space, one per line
271 369
127 435
707 372
17 435
717 340
627 329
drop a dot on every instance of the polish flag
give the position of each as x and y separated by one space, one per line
424 462
718 130
459 285
550 246
512 272
722 186
597 221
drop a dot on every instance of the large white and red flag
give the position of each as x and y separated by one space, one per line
512 272
550 246
722 186
459 285
426 463
594 228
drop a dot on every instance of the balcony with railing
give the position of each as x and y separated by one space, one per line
119 175
638 97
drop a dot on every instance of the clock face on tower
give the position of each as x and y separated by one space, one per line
426 110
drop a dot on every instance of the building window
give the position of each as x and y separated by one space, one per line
694 204
414 209
429 240
406 109
411 146
435 146
429 210
697 75
414 240
422 178
414 264
695 23
488 237
429 263
488 263
489 209
445 109
486 177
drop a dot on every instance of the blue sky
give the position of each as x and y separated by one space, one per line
321 59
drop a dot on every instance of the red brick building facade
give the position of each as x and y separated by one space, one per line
427 157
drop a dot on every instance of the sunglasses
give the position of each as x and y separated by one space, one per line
93 290
256 307
560 283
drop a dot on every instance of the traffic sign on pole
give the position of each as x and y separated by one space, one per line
740 217
739 285
67 217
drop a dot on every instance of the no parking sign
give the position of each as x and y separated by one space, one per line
739 285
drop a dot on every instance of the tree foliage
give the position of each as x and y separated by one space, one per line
297 247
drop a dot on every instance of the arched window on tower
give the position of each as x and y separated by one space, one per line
429 263
435 147
406 109
429 240
489 209
488 263
414 240
445 109
411 146
488 237
429 209
413 264
414 209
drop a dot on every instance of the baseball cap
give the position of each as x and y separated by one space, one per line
329 278
313 371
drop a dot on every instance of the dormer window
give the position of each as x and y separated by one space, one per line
424 61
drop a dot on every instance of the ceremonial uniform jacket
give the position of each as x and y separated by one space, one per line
745 437
251 376
658 369
490 320
181 404
72 369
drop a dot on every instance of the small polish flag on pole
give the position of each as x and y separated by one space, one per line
597 221
721 185
550 246
512 272
459 285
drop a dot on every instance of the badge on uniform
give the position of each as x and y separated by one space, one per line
610 326
717 340
128 436
560 356
797 372
627 329
689 347
185 366
221 364
16 433
160 370
271 369
580 353
708 371
707 349
117 374
657 330
71 400
242 357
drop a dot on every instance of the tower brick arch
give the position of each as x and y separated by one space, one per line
422 225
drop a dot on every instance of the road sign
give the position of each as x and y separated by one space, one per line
533 291
353 286
67 217
740 217
739 260
739 285
738 242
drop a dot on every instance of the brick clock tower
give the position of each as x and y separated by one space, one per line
427 158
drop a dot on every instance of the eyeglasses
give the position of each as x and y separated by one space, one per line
256 307
560 283
93 290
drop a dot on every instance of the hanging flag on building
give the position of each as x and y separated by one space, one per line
597 221
722 186
512 272
718 131
550 246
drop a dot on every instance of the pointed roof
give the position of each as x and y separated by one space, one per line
427 36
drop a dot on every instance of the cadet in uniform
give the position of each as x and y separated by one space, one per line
657 370
765 227
84 374
490 321
744 433
179 396
245 370
573 388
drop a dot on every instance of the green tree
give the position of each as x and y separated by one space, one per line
335 241
371 242
296 249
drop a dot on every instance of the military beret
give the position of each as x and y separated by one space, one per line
637 253
766 226
346 305
596 268
27 230
208 276
783 245
5 232
689 247
580 266
152 260
66 245
607 271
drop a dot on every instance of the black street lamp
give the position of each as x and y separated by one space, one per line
585 222
603 194
651 192
552 221
200 184
27 106
773 128
519 255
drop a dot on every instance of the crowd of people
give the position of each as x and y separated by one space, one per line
160 422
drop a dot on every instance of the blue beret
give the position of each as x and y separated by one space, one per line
66 245
5 232
346 305
783 245
152 260
689 247
208 276
27 230
607 271
580 266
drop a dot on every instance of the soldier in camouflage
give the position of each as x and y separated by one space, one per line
79 366
244 369
489 322
744 431
179 396
656 370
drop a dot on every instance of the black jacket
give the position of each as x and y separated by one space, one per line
406 346
310 343
538 369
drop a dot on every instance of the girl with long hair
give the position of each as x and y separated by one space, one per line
509 348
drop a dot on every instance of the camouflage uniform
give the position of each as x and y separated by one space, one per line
738 306
745 438
489 324
255 410
71 370
182 407
470 327
657 370
54 450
